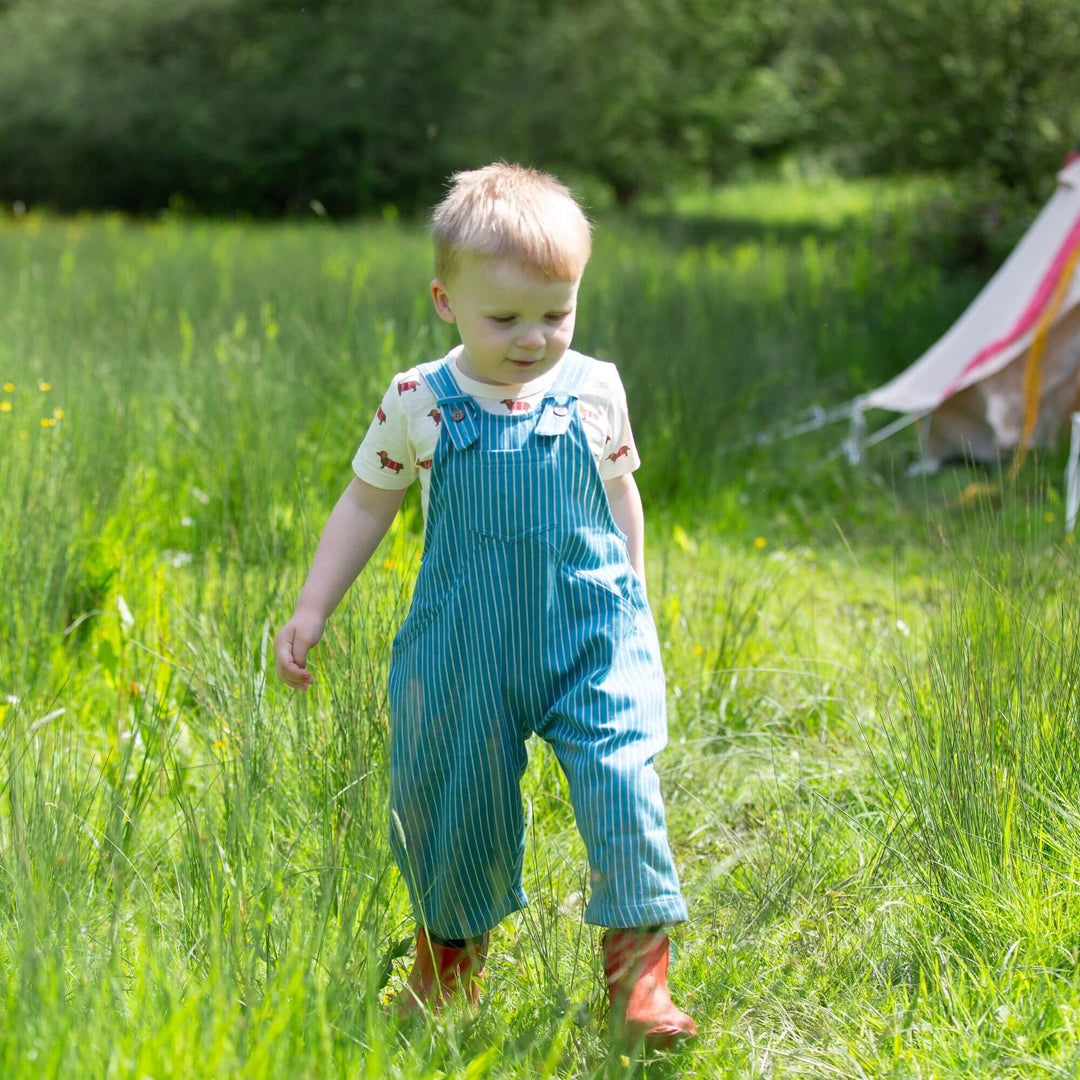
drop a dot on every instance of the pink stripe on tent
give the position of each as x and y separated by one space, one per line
1030 314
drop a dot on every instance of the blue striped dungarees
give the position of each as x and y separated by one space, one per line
526 617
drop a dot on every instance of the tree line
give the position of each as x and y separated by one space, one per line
261 106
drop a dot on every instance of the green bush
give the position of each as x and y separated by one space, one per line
260 106
264 107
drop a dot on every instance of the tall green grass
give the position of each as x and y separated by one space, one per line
872 690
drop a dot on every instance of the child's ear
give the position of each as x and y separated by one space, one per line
441 300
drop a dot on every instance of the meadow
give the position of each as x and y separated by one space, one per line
873 777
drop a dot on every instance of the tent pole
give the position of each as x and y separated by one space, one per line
853 445
1072 476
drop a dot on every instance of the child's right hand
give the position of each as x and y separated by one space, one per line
291 646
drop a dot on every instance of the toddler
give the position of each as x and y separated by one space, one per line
529 612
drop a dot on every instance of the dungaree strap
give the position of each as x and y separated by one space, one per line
559 401
458 408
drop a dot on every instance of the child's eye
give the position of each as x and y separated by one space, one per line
556 316
502 320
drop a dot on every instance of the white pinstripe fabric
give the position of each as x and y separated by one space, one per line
526 617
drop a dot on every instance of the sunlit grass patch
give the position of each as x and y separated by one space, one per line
869 780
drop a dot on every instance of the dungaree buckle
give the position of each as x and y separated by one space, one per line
556 415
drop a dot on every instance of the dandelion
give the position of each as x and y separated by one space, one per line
44 387
624 1061
48 421
760 542
58 414
684 542
9 388
5 406
1048 516
698 650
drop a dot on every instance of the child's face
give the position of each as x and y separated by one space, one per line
515 324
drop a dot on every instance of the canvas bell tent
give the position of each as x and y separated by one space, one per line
1006 376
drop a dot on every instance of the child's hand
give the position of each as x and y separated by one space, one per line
300 634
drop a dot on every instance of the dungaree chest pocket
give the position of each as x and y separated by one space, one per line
516 497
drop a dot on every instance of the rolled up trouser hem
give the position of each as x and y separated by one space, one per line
476 923
665 912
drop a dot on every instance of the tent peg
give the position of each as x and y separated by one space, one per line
853 444
1072 476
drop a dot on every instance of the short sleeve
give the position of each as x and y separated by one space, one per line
619 455
385 458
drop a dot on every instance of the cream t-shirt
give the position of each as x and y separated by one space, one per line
400 443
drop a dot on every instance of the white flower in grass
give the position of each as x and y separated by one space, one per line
903 627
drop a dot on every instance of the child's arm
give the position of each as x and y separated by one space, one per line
625 500
353 531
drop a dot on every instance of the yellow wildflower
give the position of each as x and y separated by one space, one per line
9 388
5 406
44 387
58 414
1048 516
48 421
760 542
698 650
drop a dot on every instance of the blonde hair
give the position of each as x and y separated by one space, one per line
510 211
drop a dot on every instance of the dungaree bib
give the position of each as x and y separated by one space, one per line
526 617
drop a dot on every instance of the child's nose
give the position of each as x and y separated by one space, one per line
532 338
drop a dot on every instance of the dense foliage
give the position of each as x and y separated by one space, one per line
262 106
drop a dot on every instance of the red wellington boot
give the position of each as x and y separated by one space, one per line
439 971
636 963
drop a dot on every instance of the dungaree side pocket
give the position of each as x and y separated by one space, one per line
631 601
430 600
601 565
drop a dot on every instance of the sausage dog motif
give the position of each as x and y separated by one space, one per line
424 463
407 384
380 415
436 416
513 405
621 452
388 462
